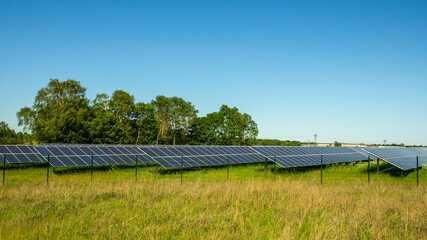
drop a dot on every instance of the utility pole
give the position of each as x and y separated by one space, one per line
315 139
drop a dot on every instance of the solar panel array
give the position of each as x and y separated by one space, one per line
81 155
21 154
197 156
65 155
403 158
309 156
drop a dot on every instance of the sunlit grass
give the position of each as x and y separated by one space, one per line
252 204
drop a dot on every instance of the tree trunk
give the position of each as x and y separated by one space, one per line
158 136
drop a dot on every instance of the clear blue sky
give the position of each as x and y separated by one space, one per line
351 71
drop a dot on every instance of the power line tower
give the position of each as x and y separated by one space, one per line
315 139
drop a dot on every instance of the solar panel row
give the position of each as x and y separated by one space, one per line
271 151
403 158
66 156
309 156
21 154
62 155
196 156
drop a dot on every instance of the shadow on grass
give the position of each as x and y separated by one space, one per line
24 165
98 168
388 169
162 170
304 169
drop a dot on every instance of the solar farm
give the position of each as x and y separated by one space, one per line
190 156
193 191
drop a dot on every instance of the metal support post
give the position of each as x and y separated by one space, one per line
378 166
417 171
274 167
369 169
4 167
157 167
47 172
181 169
91 167
136 167
228 165
321 169
266 167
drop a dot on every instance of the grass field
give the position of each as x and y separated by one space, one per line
252 204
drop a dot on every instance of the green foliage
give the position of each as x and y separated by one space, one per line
62 114
9 136
275 142
146 125
226 127
175 116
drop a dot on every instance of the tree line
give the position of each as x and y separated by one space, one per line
61 113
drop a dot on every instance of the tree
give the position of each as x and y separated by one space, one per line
107 129
146 123
182 115
228 127
7 135
100 103
163 108
59 114
121 104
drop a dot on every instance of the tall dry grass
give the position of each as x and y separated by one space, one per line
238 209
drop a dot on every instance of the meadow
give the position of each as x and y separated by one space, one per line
254 203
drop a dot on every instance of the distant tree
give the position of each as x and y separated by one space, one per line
145 123
163 111
107 129
59 114
182 115
121 104
337 144
275 142
100 103
226 127
207 130
7 135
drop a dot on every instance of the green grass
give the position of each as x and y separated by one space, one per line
252 204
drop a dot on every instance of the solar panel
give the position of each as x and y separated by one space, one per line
21 154
309 156
403 158
81 155
199 156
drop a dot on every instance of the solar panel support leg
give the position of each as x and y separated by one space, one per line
378 166
181 170
417 171
4 167
369 169
321 169
136 167
274 176
266 167
47 171
157 167
91 167
228 165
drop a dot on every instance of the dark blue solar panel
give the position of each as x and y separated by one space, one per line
81 155
197 156
20 154
403 158
309 156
